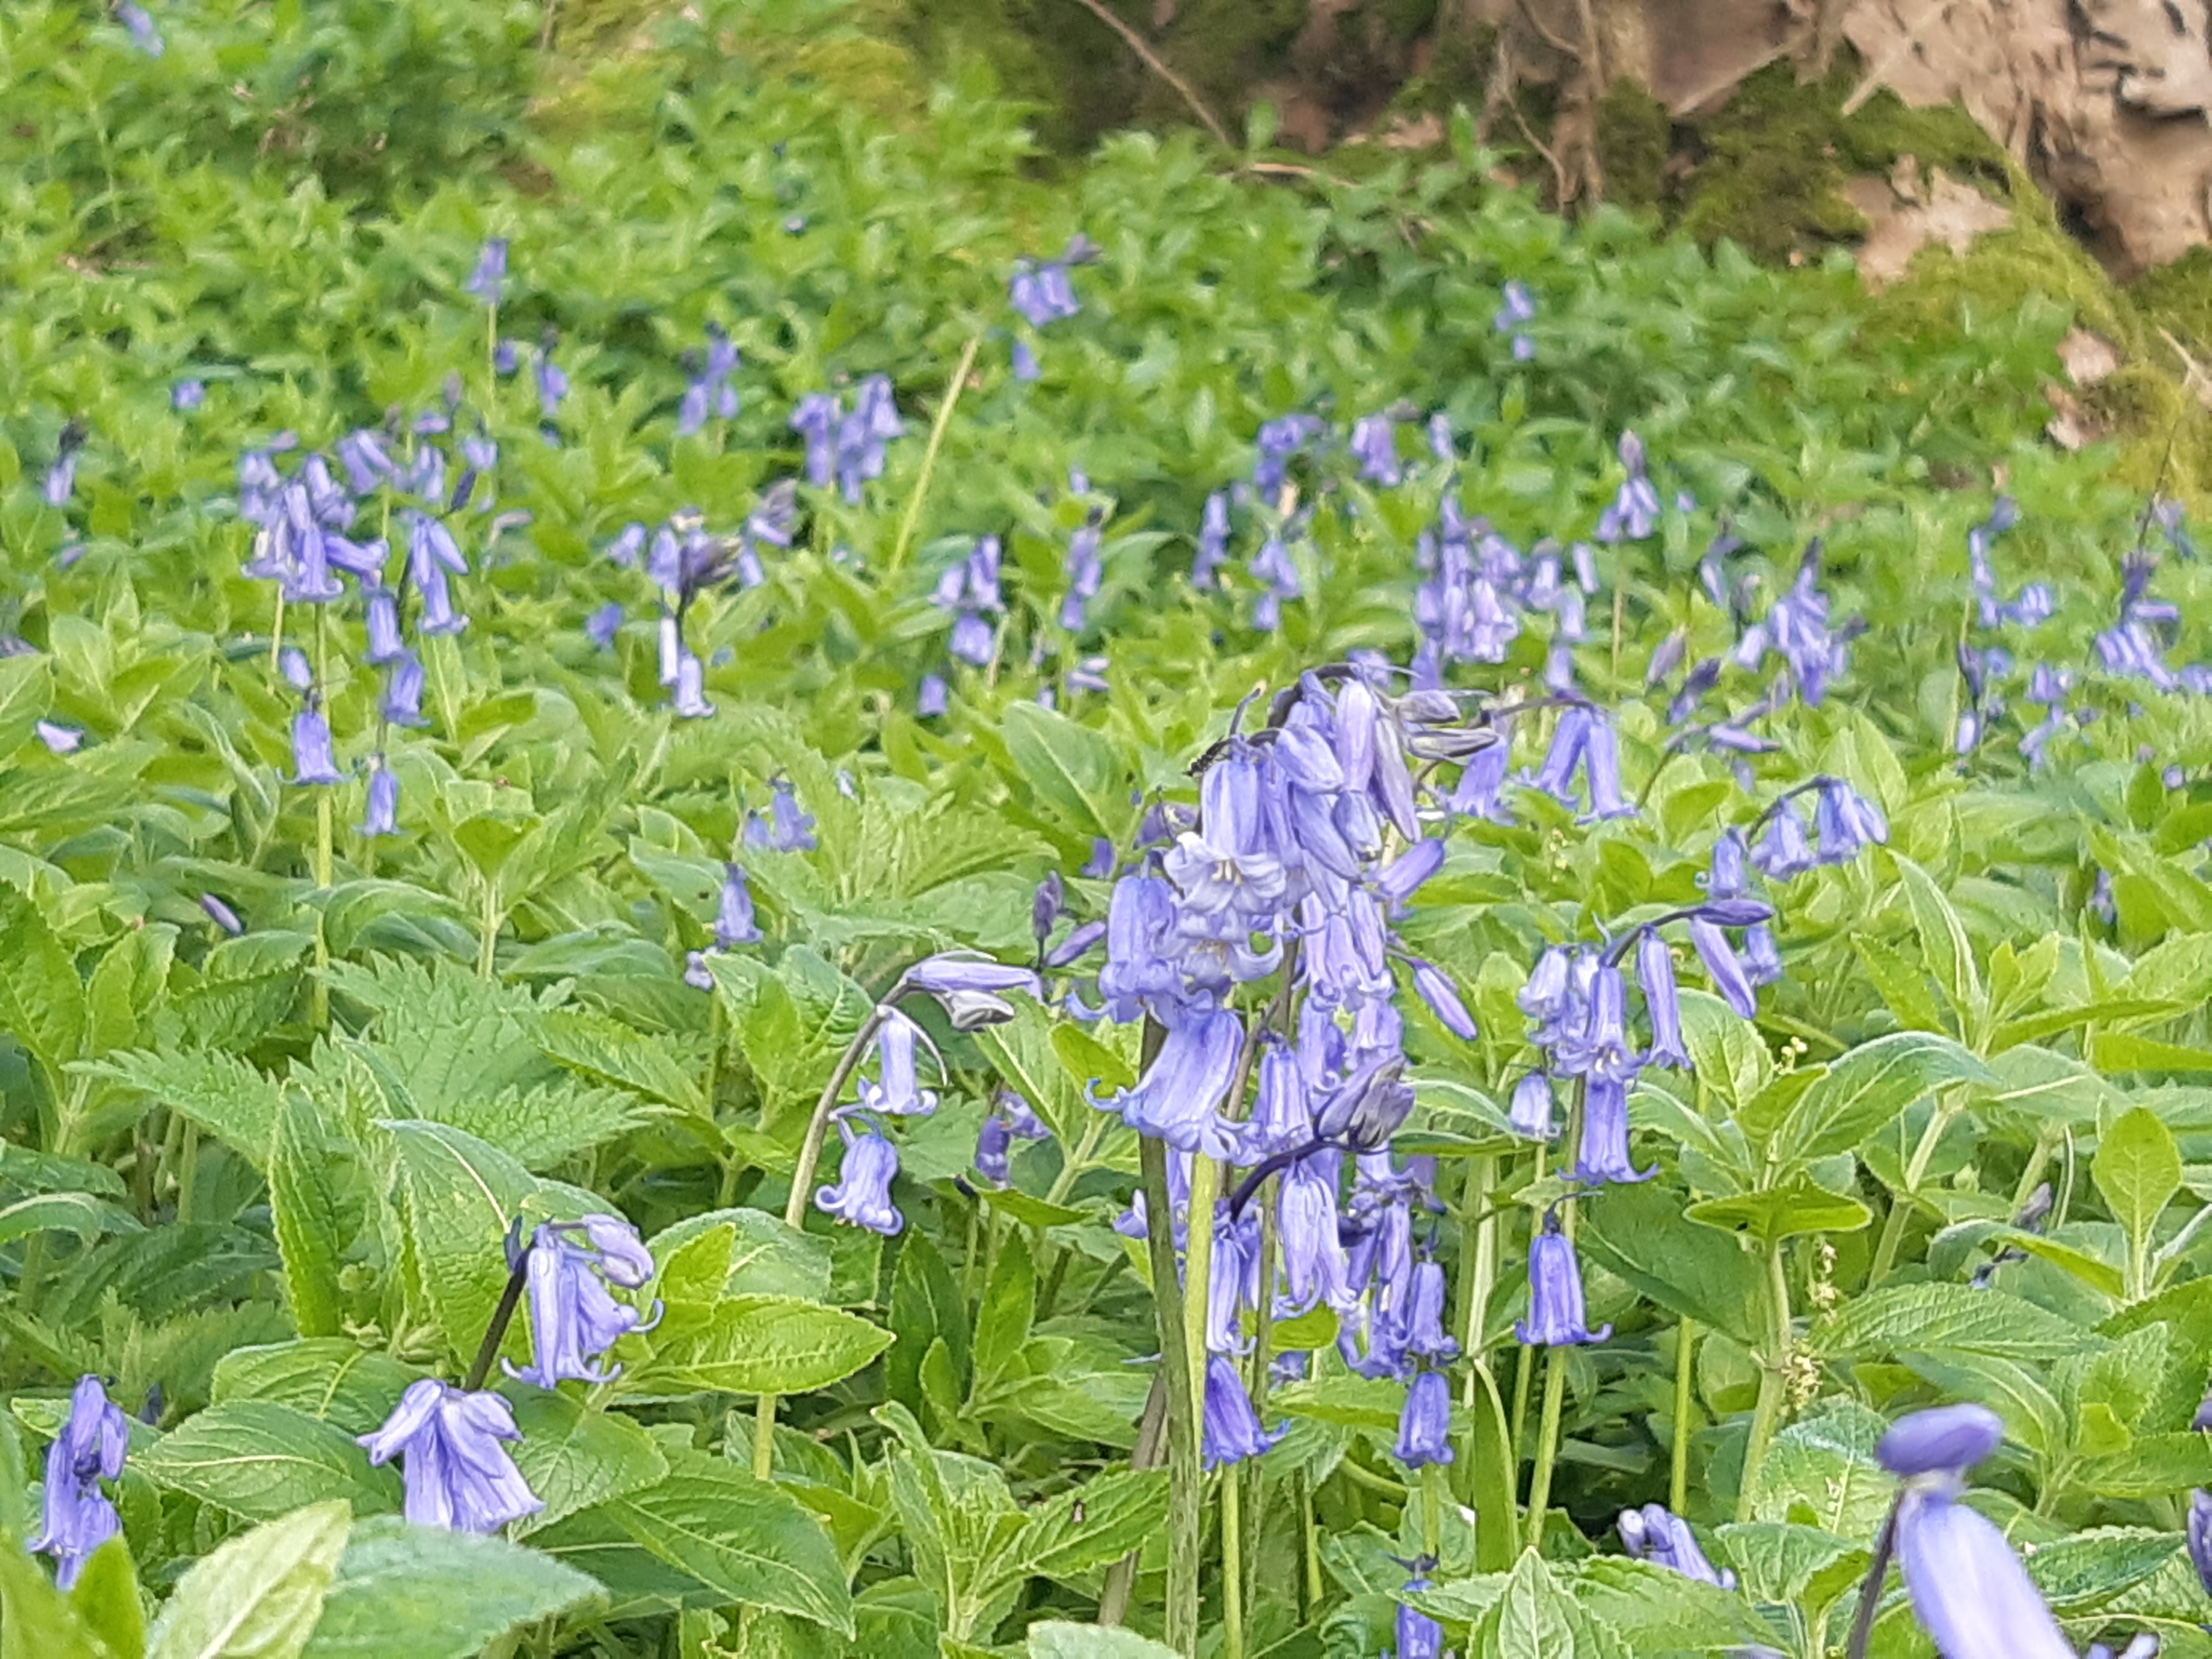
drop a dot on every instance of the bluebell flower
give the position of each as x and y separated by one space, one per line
505 358
1730 979
402 690
1762 957
1968 1587
815 419
734 924
552 382
1375 445
1102 861
1533 1106
1177 1100
1480 791
366 458
1315 1267
862 1195
1278 441
488 282
1555 1317
1524 349
1600 1046
690 700
1041 291
790 827
950 972
1436 990
1424 1318
1026 367
603 623
2200 1536
1847 822
1654 972
1520 307
292 663
1234 1283
312 759
454 1463
1658 1535
698 971
862 435
1213 541
145 34
59 740
1141 975
438 615
1442 445
79 1517
934 697
221 914
382 815
574 1317
1783 852
994 1144
1634 513
1232 1428
1087 569
187 395
896 1091
1602 1154
1569 738
1420 1637
1424 1425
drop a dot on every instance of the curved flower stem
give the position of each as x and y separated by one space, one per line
1885 1544
1548 1445
802 1178
913 514
503 1316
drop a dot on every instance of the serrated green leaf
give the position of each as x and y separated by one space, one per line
262 1460
258 1595
410 1592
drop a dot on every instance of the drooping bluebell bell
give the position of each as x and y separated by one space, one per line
815 419
488 282
312 759
1532 1112
1024 362
1369 1105
1177 1100
1375 445
1213 541
863 435
895 1090
453 1458
1277 442
1658 1535
1234 1283
438 615
1420 1637
1274 566
933 697
734 922
366 458
1731 980
690 700
789 827
402 690
574 1316
1079 942
145 34
1797 626
1232 1430
552 381
1041 291
2200 1536
1424 1425
994 1144
1599 1046
1087 569
1442 445
1846 822
1556 1316
59 740
292 663
1480 791
861 1196
1140 975
1424 1315
1783 852
1520 307
1634 513
1968 1588
950 972
1315 1267
711 393
1655 973
187 395
698 971
382 816
221 914
78 1516
603 623
1443 997
1602 1154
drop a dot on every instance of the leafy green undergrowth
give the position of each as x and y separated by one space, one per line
357 965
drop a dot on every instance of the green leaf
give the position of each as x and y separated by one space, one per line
1055 1638
2083 1574
261 1461
1002 1320
224 1096
1932 1318
925 1304
1072 770
27 692
574 1456
1870 1087
746 1538
765 1345
304 1211
330 1377
1029 1209
2137 1170
461 1197
1088 1062
1797 1206
1640 1233
66 1212
258 1595
41 999
1944 944
1497 1503
410 1592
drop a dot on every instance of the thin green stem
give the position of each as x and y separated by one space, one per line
1185 1478
495 1333
1232 1563
188 1171
1548 1445
913 514
1900 1204
1678 1482
1435 1494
